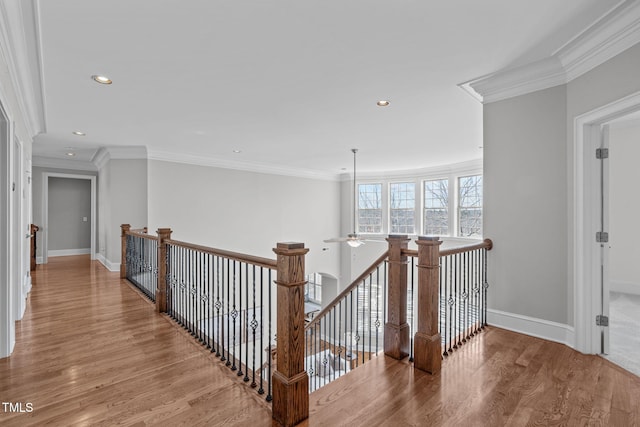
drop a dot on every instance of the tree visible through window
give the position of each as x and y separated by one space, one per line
403 206
370 208
470 206
436 207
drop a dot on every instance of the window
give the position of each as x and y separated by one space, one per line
370 208
436 207
402 207
470 206
313 288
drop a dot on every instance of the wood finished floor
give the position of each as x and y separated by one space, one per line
91 351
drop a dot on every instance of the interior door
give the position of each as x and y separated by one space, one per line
603 238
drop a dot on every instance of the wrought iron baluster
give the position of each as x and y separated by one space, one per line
269 396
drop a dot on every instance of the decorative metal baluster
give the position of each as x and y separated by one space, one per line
240 316
443 313
202 284
485 286
269 396
210 276
476 290
465 298
234 315
351 330
262 347
246 323
218 306
340 351
193 267
254 325
411 309
450 302
357 338
228 314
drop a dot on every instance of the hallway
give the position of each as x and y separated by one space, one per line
91 351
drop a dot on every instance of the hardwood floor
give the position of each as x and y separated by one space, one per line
500 378
92 351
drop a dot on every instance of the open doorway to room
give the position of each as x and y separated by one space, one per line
69 215
600 230
623 273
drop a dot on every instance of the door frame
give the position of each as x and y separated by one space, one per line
587 286
45 210
7 324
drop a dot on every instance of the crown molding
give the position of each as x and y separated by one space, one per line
104 154
613 33
18 31
609 36
49 162
241 166
468 167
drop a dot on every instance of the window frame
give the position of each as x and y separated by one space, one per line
452 173
416 203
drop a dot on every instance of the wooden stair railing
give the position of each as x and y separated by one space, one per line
290 379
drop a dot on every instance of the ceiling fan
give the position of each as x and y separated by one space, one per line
352 239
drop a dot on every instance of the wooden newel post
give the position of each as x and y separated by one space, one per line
290 380
123 256
396 330
161 292
427 344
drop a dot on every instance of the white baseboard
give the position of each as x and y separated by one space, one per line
540 328
111 266
624 287
69 252
39 260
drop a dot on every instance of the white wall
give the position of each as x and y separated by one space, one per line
624 207
122 199
13 254
246 212
528 184
525 204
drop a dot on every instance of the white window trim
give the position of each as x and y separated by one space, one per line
451 172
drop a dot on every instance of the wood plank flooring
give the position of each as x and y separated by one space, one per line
500 378
92 351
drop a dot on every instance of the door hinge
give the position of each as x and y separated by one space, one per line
602 153
602 320
602 237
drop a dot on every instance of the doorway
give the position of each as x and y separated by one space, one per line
7 325
591 222
45 211
622 301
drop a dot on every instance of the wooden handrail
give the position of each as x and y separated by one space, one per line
249 259
141 234
485 244
348 289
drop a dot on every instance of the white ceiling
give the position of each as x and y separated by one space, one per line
292 84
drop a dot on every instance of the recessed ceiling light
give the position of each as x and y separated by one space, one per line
77 132
102 79
71 154
237 151
382 103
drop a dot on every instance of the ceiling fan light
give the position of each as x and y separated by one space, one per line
355 243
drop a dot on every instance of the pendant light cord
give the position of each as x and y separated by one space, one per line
355 200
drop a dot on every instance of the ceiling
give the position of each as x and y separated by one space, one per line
289 84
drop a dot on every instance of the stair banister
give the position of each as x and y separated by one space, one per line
427 342
396 330
290 380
